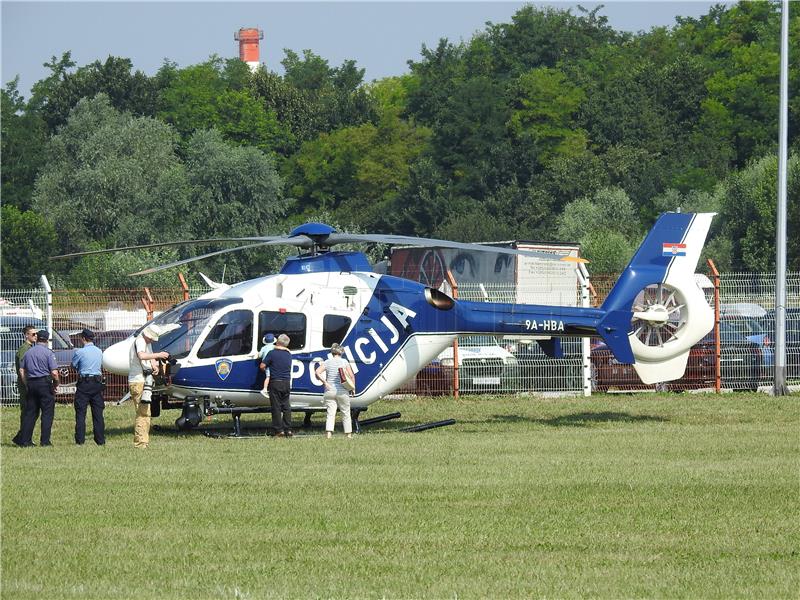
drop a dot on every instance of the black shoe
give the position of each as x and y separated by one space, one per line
47 444
18 445
289 433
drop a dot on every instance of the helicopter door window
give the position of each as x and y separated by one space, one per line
334 328
231 336
276 323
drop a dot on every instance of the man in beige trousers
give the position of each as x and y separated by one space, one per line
144 364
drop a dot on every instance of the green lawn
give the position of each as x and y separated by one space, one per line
617 496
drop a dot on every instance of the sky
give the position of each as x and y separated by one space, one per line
380 36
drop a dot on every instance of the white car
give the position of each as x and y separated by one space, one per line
481 362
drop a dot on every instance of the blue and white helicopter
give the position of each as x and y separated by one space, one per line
391 327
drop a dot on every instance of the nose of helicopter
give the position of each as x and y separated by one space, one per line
116 358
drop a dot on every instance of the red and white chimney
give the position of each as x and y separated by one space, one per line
248 38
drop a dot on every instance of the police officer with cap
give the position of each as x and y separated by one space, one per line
39 373
89 392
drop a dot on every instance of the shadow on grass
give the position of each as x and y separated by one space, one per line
582 419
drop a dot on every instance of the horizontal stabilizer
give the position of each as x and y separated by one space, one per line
664 370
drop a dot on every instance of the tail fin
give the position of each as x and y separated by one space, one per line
656 311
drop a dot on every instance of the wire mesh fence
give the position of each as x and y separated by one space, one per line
486 364
111 314
747 348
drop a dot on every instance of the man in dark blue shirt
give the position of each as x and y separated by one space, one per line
88 362
29 333
279 383
39 372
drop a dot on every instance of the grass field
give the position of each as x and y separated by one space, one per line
617 496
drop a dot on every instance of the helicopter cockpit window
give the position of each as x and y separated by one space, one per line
276 323
231 336
334 328
191 317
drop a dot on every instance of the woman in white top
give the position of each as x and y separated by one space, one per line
335 393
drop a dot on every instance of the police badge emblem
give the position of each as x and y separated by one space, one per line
224 367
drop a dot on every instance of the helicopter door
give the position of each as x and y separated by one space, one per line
225 356
231 336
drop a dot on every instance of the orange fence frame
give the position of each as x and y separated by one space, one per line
453 284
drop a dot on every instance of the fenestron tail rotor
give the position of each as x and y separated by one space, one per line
658 315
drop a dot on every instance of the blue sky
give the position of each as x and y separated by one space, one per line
380 36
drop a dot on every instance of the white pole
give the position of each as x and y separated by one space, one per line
779 386
49 314
586 356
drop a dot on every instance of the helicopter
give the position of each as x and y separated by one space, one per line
390 328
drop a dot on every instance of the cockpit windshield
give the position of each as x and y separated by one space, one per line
191 317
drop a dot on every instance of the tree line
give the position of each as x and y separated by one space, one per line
553 126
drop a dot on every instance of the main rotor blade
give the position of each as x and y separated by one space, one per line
202 256
178 243
380 238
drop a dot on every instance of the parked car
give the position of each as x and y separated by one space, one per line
792 338
11 339
746 318
483 366
753 330
537 372
740 361
116 385
102 339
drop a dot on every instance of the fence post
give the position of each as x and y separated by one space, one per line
184 287
717 342
454 285
48 291
586 289
147 301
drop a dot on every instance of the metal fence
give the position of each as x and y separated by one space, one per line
112 314
486 364
747 335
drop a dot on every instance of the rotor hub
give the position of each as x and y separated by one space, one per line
659 314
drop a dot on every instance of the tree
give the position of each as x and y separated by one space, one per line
294 109
127 91
607 227
336 93
390 95
114 269
546 37
28 243
310 73
24 135
356 171
113 178
214 95
748 200
235 191
542 111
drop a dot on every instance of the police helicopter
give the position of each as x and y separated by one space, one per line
391 328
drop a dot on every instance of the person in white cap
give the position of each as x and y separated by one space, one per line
143 365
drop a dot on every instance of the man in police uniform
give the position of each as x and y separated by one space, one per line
29 333
39 373
88 362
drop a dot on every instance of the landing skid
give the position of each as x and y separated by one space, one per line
193 410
